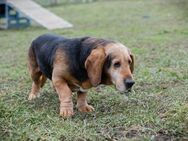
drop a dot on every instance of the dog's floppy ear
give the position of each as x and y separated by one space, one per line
132 63
94 65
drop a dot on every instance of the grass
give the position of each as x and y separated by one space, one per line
156 32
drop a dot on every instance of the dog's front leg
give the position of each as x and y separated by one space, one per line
65 97
82 104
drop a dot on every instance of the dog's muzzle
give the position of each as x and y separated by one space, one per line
128 84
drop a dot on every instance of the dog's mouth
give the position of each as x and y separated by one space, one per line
126 92
123 89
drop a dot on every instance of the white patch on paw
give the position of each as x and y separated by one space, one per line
33 96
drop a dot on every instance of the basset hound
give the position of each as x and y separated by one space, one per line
77 64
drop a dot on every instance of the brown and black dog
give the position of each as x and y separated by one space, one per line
75 65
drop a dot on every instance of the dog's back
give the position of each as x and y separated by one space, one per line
43 49
42 52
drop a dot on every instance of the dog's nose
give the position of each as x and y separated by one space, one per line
129 83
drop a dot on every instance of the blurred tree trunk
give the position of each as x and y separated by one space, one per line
54 2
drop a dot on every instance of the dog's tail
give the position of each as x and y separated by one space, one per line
35 73
32 61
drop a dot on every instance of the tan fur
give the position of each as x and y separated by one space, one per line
60 76
120 54
64 83
82 104
94 65
36 75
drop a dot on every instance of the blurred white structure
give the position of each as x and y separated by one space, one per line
39 14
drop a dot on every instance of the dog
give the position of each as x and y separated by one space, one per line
77 64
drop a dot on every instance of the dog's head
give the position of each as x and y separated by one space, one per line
114 63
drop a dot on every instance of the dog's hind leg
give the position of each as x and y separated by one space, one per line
34 90
36 75
42 80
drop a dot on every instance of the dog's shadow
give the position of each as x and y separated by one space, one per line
103 102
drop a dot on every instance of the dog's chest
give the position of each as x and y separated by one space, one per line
78 88
83 87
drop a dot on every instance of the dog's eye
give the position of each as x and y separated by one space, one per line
117 64
129 61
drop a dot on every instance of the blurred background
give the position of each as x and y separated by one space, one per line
156 31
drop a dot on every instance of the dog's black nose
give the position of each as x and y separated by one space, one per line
129 83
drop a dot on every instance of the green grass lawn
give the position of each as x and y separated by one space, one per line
157 33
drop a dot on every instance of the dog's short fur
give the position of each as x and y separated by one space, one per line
75 65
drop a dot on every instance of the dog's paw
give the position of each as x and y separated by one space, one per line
33 96
66 112
85 108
